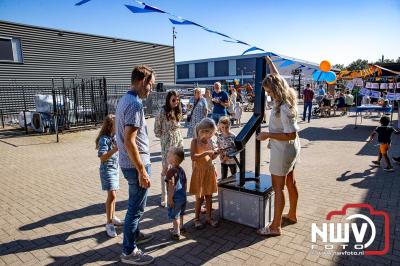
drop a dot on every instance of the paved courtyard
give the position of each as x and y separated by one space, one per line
52 207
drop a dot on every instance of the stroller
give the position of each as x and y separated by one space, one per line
316 111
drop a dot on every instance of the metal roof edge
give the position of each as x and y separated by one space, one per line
80 33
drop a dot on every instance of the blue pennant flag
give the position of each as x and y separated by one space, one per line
183 22
271 54
224 35
135 9
212 31
82 2
236 41
243 43
254 48
286 63
153 9
279 60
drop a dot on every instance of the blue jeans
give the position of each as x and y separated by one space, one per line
178 209
307 105
216 117
136 204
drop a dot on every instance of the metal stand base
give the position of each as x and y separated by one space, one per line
251 204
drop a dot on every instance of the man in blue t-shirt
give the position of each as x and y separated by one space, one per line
221 102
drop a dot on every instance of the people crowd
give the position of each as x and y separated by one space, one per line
123 142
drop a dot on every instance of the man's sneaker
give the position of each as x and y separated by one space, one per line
388 169
143 238
110 229
116 221
137 257
376 163
396 159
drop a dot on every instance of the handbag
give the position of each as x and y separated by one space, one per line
189 117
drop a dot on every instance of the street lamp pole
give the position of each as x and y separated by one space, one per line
242 69
173 47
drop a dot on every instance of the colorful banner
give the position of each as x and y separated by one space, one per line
350 85
391 96
384 86
358 82
375 94
375 85
364 91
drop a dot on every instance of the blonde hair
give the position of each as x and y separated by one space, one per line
106 128
225 121
206 125
282 92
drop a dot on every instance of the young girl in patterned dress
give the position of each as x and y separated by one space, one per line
204 177
226 143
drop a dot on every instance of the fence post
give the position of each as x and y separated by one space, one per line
55 111
93 107
26 125
105 96
2 118
75 102
83 101
65 121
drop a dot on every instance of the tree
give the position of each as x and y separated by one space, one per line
357 65
385 61
398 60
338 66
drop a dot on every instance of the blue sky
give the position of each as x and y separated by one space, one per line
340 31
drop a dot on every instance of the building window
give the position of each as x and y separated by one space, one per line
183 71
10 50
221 68
247 65
201 70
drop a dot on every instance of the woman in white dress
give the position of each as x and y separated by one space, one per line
285 148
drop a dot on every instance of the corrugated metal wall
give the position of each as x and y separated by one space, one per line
74 55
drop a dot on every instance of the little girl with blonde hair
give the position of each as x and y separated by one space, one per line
204 177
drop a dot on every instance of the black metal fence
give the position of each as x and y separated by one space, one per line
71 104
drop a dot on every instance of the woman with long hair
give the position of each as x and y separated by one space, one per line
285 148
167 128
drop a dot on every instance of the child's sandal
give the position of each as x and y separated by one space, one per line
198 224
213 223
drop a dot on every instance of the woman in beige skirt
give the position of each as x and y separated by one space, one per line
285 148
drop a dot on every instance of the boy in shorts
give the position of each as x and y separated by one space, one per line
176 190
384 138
